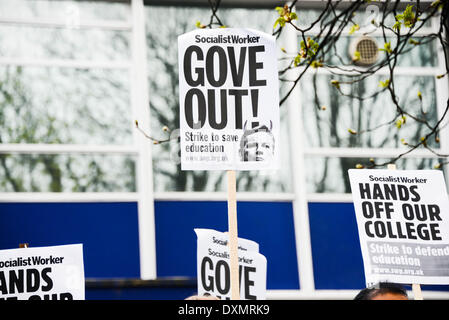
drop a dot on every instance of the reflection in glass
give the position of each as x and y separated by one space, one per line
68 11
422 55
63 105
363 18
67 173
328 127
163 82
63 43
331 174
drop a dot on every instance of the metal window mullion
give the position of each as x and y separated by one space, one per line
330 197
398 71
442 99
144 173
222 196
40 148
367 152
68 197
315 31
64 63
300 206
113 25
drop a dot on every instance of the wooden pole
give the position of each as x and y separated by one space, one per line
417 293
416 288
232 230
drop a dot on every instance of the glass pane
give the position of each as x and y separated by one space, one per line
327 174
67 173
70 11
63 105
415 55
259 19
422 55
363 18
62 43
328 127
163 82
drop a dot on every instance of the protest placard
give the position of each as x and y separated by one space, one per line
213 266
42 273
229 100
403 225
229 109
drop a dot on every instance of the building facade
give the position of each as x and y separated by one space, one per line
76 75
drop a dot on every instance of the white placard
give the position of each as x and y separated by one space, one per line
213 268
229 100
42 273
403 225
222 238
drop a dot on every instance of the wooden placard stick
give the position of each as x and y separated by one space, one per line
232 230
416 288
417 293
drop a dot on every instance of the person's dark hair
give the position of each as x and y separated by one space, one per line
381 288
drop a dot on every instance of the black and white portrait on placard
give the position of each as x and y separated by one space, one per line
257 143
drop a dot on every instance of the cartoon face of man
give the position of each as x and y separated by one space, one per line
257 144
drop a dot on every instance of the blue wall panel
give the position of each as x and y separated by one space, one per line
337 259
108 232
268 223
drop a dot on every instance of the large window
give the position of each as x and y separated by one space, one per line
329 113
65 97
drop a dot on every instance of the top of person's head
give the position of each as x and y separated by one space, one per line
206 296
258 128
383 291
